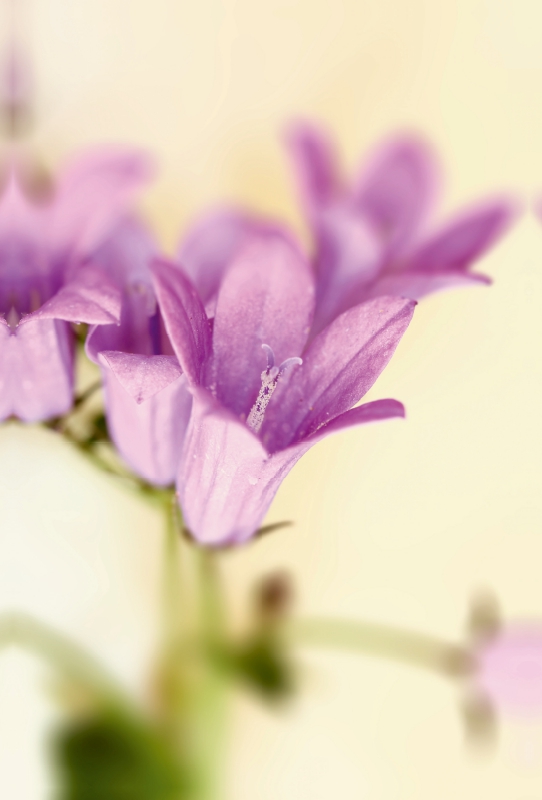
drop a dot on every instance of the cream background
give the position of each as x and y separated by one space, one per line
399 522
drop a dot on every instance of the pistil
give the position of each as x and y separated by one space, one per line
270 377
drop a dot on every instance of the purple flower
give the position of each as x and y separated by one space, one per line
146 397
371 235
262 397
370 238
48 280
508 668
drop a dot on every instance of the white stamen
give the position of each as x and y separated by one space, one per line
270 377
13 318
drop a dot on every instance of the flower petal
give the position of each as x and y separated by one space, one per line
89 297
133 334
141 376
398 187
211 244
315 165
376 411
339 367
93 193
36 370
226 481
126 255
464 240
350 256
266 297
149 435
184 318
416 285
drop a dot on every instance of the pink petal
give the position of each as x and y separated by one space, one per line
350 257
266 297
149 435
398 188
126 255
184 317
339 367
132 335
416 285
226 481
210 245
509 669
36 370
464 240
89 297
315 165
141 376
376 411
93 193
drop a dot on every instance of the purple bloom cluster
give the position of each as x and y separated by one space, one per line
49 277
223 366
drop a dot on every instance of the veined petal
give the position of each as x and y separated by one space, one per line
226 481
184 318
210 245
93 193
89 297
465 239
315 165
141 376
266 297
398 187
149 435
350 257
416 285
126 255
376 411
339 367
133 333
36 370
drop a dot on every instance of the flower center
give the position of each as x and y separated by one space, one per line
270 377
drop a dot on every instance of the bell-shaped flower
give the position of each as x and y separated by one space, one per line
47 276
371 234
147 402
262 397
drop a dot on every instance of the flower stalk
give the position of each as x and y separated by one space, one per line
382 641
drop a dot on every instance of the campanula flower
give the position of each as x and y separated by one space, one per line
371 233
371 237
147 403
261 396
47 277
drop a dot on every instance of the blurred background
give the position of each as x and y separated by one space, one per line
398 523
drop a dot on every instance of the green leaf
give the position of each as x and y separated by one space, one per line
116 757
261 663
265 530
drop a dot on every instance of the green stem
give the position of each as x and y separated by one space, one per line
82 398
174 609
22 630
383 641
195 687
212 695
